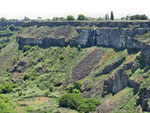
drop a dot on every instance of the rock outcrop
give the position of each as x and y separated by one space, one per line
18 70
143 100
120 79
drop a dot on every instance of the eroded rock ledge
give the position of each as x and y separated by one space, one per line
120 79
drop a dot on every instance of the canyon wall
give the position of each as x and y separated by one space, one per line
118 38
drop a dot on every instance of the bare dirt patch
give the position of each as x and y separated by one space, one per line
85 67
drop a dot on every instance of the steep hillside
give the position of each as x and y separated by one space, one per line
71 79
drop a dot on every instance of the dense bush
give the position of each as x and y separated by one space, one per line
12 28
26 76
79 103
79 47
70 17
51 88
76 86
7 87
2 45
26 48
81 17
138 17
5 105
89 87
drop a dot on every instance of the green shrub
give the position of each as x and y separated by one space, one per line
76 91
77 102
6 106
77 85
88 88
2 45
46 93
26 76
19 93
61 57
81 17
70 89
12 28
51 88
7 87
26 48
79 47
70 17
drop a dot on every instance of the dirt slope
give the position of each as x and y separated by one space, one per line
85 67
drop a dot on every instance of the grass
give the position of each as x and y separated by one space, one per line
110 57
125 100
144 38
67 32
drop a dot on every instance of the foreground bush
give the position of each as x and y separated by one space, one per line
79 103
6 106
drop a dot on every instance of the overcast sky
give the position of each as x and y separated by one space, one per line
61 8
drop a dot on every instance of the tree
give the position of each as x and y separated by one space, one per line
112 15
70 17
81 17
39 18
106 17
26 19
139 17
78 102
3 19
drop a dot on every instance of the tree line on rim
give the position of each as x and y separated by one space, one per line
82 17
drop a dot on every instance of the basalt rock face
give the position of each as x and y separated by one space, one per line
120 79
84 39
110 37
143 100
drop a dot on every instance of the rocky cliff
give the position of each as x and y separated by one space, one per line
119 38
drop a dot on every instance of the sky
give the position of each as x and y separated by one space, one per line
18 9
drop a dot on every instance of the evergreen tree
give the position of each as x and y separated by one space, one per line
106 17
112 15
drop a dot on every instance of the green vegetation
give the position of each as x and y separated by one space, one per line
6 106
77 102
81 17
112 15
70 17
7 87
138 17
144 38
26 48
66 32
13 28
75 88
26 76
26 18
43 82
